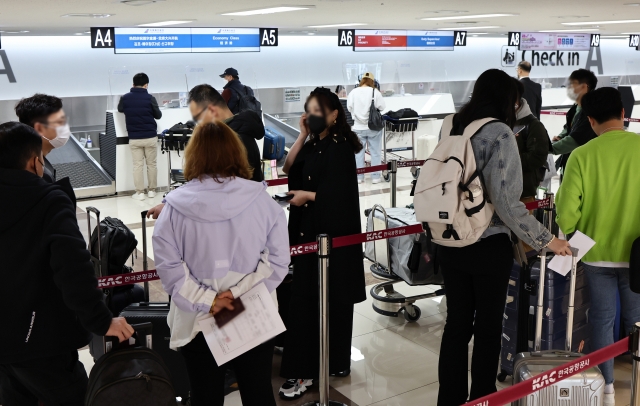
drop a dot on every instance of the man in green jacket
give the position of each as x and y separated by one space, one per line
599 196
576 131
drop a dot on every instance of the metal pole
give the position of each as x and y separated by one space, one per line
543 268
572 298
635 375
145 263
549 211
324 248
393 169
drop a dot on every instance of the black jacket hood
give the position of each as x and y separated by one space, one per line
248 123
23 190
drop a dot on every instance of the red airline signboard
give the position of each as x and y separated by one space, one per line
371 40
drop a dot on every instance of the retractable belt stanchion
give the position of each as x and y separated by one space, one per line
324 247
145 262
393 171
635 375
549 211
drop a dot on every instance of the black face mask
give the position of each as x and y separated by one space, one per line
317 124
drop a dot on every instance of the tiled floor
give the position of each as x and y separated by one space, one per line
394 363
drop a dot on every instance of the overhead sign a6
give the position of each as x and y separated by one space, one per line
345 38
102 37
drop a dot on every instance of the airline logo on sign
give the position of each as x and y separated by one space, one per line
268 37
460 38
102 37
345 38
514 39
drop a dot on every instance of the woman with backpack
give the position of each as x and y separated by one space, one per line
476 276
218 236
322 179
359 104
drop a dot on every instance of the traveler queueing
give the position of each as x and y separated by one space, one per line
476 276
48 289
599 196
359 104
219 217
323 181
45 114
233 90
141 112
532 90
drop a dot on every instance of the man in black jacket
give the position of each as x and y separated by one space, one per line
532 90
233 89
207 105
141 112
45 114
49 294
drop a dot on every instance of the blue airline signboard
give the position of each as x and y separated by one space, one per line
430 40
225 39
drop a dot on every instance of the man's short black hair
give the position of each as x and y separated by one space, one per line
525 66
204 95
18 144
37 108
603 104
585 76
140 79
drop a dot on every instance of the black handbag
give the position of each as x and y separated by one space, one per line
634 266
375 118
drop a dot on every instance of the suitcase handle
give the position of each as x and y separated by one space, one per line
556 353
145 263
91 209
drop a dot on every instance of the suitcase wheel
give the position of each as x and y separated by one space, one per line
415 172
386 176
502 376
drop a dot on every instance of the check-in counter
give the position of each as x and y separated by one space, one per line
123 161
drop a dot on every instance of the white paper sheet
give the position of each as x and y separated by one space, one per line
258 323
582 242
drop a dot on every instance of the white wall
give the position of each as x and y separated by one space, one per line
68 66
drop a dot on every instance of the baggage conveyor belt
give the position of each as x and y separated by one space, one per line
290 133
87 177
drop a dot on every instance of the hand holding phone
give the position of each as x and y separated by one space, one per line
283 197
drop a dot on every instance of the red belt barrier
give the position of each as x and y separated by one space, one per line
538 204
408 164
368 169
564 113
548 378
301 249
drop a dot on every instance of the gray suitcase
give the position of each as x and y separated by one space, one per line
586 388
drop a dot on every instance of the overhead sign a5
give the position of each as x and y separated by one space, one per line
102 37
268 37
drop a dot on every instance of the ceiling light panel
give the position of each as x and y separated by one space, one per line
164 23
467 28
467 16
88 15
574 30
336 25
270 10
603 22
139 2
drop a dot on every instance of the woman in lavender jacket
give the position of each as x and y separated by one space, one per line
219 236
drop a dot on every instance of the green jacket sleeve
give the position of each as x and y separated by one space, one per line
569 198
537 148
565 146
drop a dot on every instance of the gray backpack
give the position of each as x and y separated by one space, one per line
375 118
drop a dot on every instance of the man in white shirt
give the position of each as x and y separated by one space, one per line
359 104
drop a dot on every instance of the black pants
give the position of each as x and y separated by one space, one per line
59 380
253 371
476 280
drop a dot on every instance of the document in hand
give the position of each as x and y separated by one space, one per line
582 242
259 322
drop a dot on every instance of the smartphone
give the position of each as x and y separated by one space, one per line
225 315
283 197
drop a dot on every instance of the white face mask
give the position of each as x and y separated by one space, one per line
572 94
63 133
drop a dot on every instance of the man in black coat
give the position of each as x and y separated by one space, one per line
532 90
207 105
49 294
45 114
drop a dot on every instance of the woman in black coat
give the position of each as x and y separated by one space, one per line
323 180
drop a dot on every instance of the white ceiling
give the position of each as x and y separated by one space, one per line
43 17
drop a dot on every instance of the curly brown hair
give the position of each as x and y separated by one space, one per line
216 150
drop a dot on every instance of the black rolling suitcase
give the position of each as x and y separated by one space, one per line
156 314
130 375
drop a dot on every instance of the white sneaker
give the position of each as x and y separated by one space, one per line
376 180
609 399
138 196
294 388
151 193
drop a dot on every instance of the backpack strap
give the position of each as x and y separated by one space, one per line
475 126
447 126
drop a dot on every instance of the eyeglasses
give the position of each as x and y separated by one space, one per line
60 122
196 118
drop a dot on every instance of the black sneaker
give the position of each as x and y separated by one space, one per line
294 388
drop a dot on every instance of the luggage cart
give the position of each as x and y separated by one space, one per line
389 259
171 141
396 131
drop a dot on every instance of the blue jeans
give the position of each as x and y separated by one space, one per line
603 283
374 139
